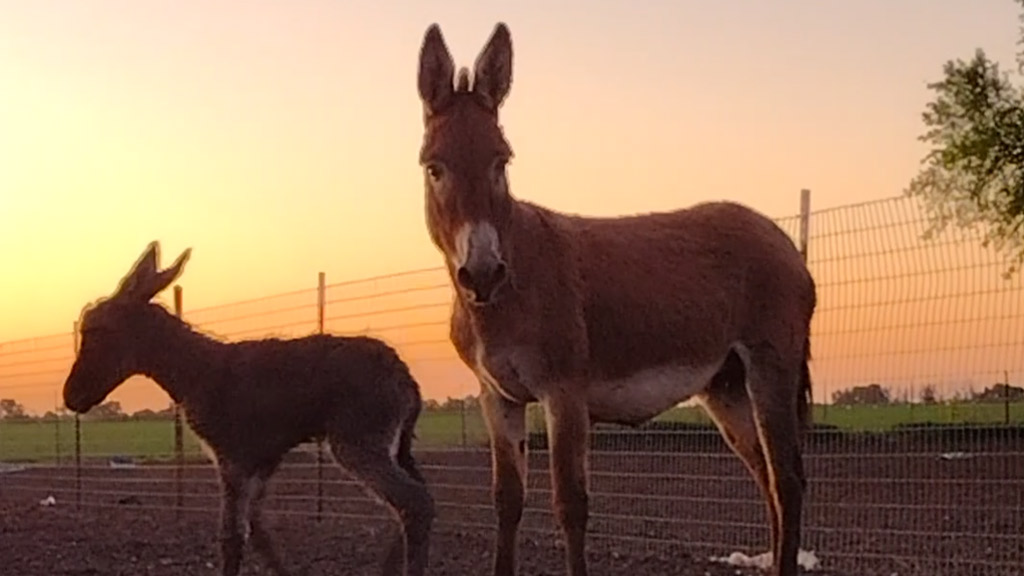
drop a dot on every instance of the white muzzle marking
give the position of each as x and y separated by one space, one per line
474 242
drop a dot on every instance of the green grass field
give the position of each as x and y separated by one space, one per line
154 439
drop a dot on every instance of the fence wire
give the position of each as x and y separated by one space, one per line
916 463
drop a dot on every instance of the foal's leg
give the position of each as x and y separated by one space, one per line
773 384
261 541
733 414
234 500
408 499
568 424
506 426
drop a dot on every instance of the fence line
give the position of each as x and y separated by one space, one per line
916 464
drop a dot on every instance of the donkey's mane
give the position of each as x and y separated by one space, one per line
180 327
463 83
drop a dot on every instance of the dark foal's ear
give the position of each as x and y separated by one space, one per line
492 74
437 72
144 281
143 269
164 278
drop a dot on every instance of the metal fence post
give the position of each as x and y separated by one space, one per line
1006 397
179 448
78 461
321 305
56 430
78 436
462 421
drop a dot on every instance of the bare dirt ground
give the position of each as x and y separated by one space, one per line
907 514
57 540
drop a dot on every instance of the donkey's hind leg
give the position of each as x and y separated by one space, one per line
773 384
260 538
730 408
409 500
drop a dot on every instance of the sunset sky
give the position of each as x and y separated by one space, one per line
279 139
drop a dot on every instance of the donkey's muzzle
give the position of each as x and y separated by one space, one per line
78 396
75 402
483 280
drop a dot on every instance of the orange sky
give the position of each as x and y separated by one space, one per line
280 139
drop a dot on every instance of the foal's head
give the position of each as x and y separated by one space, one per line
464 156
113 331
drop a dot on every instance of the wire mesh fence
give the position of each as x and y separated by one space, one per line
916 463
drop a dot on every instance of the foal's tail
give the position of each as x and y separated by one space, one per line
806 401
406 436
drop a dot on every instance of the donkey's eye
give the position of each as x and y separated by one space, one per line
435 171
498 169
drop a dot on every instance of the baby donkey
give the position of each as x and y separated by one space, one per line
252 401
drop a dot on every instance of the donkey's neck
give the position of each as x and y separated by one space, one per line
178 358
532 242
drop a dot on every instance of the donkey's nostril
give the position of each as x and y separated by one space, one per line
500 270
463 277
482 281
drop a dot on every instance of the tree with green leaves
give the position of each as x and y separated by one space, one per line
974 173
12 409
109 410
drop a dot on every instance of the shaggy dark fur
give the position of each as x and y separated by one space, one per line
252 401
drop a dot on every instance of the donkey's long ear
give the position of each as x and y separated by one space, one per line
143 269
163 279
144 282
437 71
492 74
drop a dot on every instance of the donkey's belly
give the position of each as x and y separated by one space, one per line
637 398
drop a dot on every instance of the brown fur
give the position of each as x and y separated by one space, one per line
252 401
609 319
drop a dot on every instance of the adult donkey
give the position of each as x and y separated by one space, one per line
608 319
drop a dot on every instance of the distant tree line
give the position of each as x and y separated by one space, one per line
867 394
864 394
11 409
468 402
875 394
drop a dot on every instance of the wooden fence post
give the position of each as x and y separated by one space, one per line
803 244
805 221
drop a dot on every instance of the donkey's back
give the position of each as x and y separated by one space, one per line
687 283
307 387
317 363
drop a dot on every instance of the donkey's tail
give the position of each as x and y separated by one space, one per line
806 401
405 459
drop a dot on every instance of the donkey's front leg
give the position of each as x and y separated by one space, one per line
506 425
234 495
568 425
